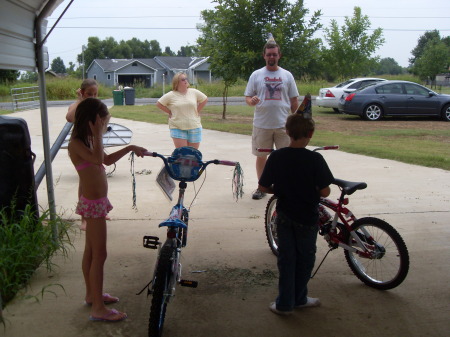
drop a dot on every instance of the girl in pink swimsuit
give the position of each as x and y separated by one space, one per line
88 88
87 155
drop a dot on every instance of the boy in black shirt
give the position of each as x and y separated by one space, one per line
298 177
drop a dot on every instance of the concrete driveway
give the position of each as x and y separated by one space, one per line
227 244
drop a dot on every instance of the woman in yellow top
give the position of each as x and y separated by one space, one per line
183 105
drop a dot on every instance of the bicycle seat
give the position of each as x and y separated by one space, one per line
349 187
185 163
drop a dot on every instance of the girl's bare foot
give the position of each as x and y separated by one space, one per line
107 299
112 315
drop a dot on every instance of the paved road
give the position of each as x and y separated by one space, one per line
228 238
143 101
138 101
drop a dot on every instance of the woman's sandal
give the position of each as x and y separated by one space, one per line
109 317
107 299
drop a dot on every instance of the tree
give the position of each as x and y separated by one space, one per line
8 75
29 77
168 52
110 48
350 46
188 51
423 40
434 60
93 50
235 32
154 49
71 67
58 66
388 66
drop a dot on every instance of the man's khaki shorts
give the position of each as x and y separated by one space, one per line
267 139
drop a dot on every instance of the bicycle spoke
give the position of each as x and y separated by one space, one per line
388 263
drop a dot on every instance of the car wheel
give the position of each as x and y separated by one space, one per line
335 109
446 113
373 112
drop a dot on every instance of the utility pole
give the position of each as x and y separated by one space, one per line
83 48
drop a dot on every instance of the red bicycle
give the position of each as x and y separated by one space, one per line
374 250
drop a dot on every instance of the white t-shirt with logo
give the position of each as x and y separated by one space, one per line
274 89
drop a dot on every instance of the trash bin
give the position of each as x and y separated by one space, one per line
129 95
118 97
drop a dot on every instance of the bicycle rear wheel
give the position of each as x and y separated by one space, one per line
161 291
270 225
389 264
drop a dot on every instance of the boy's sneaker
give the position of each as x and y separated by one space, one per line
310 302
257 195
273 308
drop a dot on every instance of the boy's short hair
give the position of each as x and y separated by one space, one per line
297 126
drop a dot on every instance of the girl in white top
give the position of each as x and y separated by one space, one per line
183 105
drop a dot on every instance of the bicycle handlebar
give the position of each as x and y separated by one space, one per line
264 150
188 162
226 162
328 147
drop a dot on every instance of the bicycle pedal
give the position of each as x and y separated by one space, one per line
187 283
151 242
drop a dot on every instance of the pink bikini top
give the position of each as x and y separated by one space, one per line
86 164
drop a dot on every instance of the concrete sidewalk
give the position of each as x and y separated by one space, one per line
229 236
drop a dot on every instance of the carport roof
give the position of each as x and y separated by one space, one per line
18 32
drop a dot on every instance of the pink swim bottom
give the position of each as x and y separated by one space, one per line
98 208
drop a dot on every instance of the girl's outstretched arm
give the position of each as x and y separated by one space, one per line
110 159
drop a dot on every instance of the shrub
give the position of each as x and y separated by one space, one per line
26 242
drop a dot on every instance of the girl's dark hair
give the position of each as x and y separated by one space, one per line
87 110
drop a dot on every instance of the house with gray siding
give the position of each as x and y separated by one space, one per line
443 79
158 70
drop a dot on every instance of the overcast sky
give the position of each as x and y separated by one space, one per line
173 22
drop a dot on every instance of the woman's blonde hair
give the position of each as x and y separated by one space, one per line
176 80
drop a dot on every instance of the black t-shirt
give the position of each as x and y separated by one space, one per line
297 176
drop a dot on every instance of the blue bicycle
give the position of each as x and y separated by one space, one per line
184 165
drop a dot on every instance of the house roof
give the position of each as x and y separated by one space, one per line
110 65
180 62
174 63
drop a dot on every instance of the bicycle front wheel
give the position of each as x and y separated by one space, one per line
270 224
389 262
161 291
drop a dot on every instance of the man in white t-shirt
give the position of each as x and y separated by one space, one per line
273 92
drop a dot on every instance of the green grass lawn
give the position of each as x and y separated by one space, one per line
414 145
